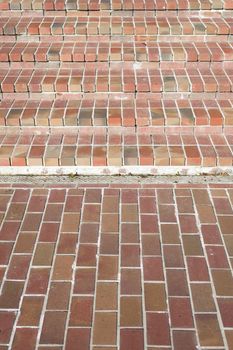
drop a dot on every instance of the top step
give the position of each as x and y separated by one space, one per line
116 5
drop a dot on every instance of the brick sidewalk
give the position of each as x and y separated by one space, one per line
124 267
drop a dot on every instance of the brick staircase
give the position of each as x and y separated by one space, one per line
116 86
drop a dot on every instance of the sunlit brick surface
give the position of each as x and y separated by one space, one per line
124 267
116 83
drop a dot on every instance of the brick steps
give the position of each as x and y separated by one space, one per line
116 77
116 25
193 116
109 148
109 51
116 5
116 83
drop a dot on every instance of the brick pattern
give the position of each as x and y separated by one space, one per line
113 82
116 267
180 54
116 25
108 149
116 5
117 77
196 116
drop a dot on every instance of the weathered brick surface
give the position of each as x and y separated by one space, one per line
149 288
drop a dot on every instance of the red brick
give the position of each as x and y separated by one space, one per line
25 336
53 327
7 320
79 336
226 311
181 313
81 312
158 329
182 339
131 339
153 269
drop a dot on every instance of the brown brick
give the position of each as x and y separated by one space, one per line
38 281
30 311
11 294
109 244
228 239
184 339
31 222
63 267
177 283
170 233
106 296
130 281
108 268
49 232
229 336
129 213
129 233
85 281
43 254
25 336
81 312
5 252
79 336
89 233
87 255
226 224
53 327
208 330
155 297
18 267
192 245
70 222
53 212
7 320
25 242
16 212
151 245
91 213
110 223
223 282
110 204
131 312
173 256
58 298
105 328
67 243
9 230
202 296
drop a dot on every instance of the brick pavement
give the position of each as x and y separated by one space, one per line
112 83
129 267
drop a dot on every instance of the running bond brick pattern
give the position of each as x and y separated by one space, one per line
129 267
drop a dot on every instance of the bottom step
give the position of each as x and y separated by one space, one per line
109 149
